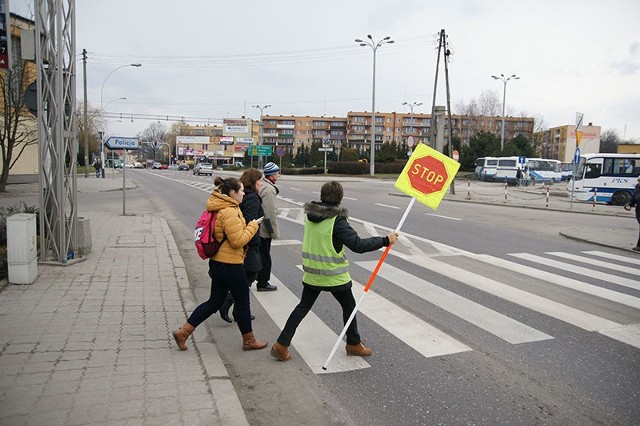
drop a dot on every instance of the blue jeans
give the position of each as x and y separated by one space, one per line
309 296
226 277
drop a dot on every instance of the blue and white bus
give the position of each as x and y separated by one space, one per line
543 170
610 176
486 168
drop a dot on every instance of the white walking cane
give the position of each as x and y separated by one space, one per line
366 288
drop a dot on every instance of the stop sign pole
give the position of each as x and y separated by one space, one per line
366 288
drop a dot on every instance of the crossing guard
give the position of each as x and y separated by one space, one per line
426 178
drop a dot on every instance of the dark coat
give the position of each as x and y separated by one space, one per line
343 233
635 201
251 207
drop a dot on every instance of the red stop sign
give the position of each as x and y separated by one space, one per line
427 175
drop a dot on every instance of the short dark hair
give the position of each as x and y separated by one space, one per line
250 177
226 185
331 192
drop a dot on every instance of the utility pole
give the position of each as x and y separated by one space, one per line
86 127
447 53
432 140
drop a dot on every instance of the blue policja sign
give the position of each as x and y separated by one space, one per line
115 142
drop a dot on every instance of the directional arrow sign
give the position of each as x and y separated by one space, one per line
115 142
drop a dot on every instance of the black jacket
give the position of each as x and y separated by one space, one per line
251 208
343 233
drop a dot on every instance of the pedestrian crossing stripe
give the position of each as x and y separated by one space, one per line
568 314
626 282
487 319
626 259
570 283
314 338
595 262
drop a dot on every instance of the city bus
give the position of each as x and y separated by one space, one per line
507 170
543 170
605 178
486 168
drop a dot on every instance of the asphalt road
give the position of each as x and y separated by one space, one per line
482 314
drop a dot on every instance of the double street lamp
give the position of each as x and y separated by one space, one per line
504 98
102 110
412 105
374 46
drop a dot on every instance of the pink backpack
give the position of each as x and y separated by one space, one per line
206 243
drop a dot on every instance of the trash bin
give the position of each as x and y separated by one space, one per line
22 251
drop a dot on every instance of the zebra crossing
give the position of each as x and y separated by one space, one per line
548 283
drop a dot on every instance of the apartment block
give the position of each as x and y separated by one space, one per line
559 143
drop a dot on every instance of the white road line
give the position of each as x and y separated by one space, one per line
411 330
386 205
595 262
443 217
625 282
421 336
536 303
582 287
635 260
285 242
493 322
313 339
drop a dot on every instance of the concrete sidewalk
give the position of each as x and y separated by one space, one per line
90 343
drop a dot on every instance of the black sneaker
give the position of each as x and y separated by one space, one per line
266 287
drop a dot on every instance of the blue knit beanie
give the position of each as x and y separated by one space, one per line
270 169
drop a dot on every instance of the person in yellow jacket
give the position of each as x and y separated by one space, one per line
326 233
226 267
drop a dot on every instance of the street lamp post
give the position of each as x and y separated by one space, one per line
102 110
412 105
504 98
374 46
261 108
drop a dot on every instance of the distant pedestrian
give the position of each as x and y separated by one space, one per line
325 267
269 228
635 202
518 176
251 207
226 267
98 166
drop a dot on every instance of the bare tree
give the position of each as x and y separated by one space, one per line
489 103
470 109
609 140
18 128
152 139
539 124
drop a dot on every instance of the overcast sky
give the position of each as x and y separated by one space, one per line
216 59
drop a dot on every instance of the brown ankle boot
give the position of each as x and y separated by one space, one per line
250 343
280 352
358 350
182 334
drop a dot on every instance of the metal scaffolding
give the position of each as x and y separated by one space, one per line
57 131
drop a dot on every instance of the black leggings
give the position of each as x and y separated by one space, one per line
226 278
309 296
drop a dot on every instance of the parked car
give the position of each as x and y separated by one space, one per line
203 169
137 165
164 166
156 165
183 166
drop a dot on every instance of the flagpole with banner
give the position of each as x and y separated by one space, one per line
425 178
